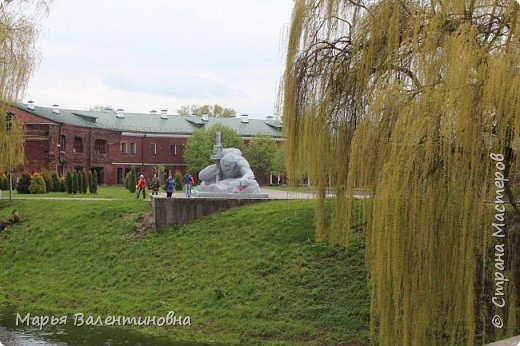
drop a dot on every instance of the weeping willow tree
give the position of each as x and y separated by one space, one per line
18 56
408 99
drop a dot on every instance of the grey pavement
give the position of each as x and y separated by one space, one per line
514 341
64 198
273 194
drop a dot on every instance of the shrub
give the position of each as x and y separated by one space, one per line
85 183
92 178
95 179
63 184
89 181
24 183
13 179
127 180
80 181
75 183
132 180
69 183
48 180
56 185
4 182
178 181
37 184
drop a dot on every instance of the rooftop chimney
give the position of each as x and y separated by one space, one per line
205 117
30 104
245 118
55 109
120 113
164 114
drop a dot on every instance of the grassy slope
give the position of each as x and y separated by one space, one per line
249 275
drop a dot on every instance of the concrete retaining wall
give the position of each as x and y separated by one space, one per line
171 212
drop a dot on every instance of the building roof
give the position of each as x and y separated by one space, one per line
152 123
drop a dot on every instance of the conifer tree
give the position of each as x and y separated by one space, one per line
75 182
69 182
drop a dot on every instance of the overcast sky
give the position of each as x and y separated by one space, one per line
155 54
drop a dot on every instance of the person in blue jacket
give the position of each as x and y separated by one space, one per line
188 180
170 186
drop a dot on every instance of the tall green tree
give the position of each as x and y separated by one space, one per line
215 110
279 161
410 98
199 147
100 107
261 153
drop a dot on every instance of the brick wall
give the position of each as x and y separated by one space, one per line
79 150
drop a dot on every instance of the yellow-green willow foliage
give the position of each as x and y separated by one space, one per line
408 99
11 147
17 61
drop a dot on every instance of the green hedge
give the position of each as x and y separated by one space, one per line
37 184
23 183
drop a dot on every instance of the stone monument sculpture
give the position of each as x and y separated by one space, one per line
229 177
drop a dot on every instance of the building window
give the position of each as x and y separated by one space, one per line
62 143
123 148
100 146
78 145
153 149
173 149
133 148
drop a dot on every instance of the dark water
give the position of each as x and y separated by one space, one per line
65 335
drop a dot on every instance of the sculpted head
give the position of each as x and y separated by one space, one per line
228 163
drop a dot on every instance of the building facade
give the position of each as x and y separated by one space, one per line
113 142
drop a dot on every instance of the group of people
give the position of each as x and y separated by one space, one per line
170 184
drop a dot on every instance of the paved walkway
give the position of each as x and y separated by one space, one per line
273 194
514 341
64 198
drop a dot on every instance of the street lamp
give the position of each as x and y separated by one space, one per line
10 116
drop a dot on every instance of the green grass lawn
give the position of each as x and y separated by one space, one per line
287 188
252 275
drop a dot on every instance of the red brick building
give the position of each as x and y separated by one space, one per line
113 142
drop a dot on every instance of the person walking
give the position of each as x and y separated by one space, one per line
155 185
170 186
141 186
188 179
